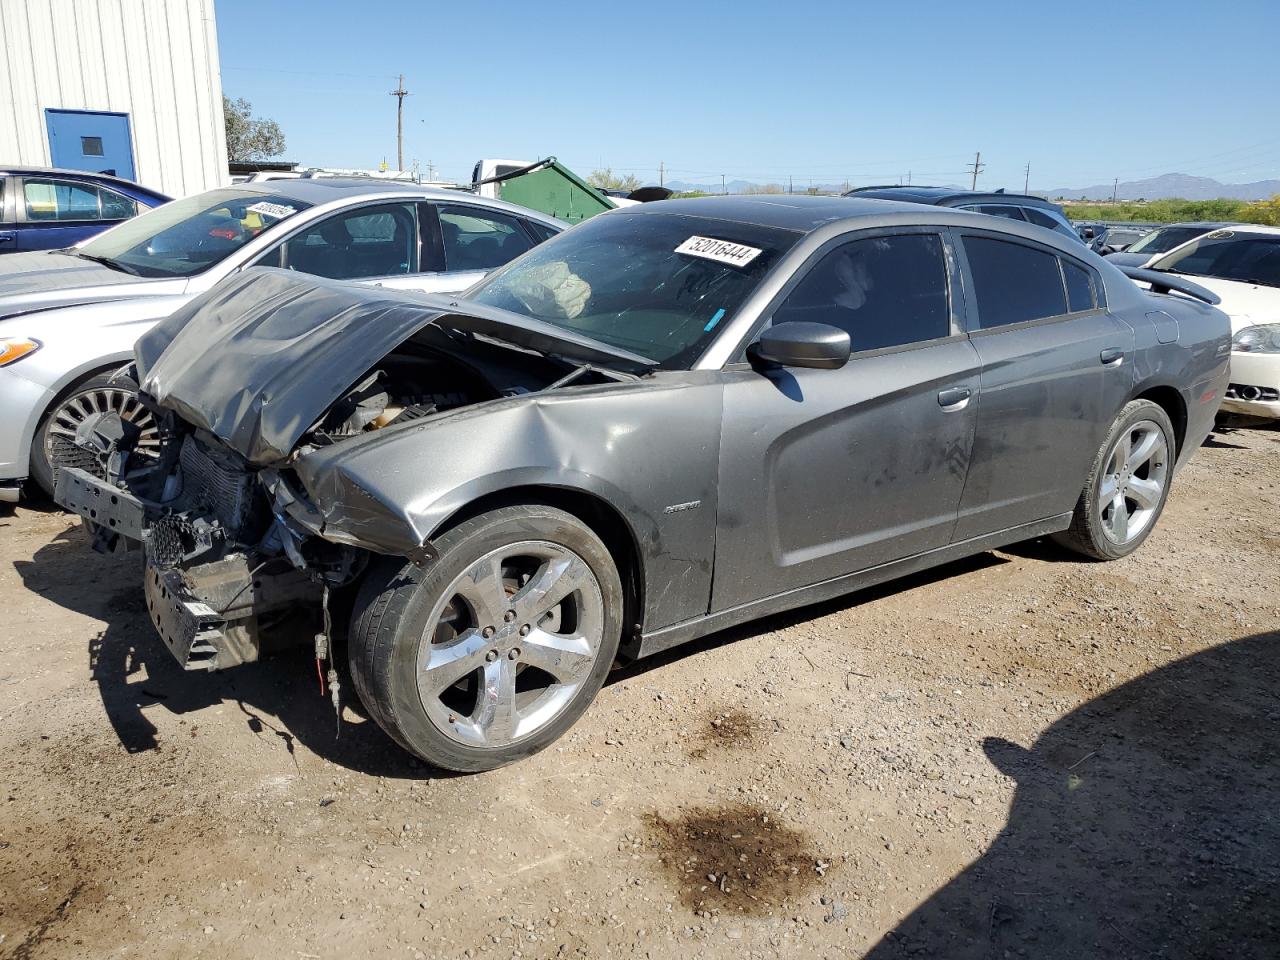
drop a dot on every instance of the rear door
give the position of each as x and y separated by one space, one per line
1056 368
826 472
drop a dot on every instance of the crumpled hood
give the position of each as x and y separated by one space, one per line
43 279
259 358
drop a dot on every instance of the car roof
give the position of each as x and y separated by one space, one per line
945 195
805 214
1207 224
320 190
104 178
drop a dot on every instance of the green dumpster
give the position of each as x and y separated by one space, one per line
549 187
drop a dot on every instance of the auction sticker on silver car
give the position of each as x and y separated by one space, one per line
722 251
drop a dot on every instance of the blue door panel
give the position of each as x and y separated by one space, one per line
98 142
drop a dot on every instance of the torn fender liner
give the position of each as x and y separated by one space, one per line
258 359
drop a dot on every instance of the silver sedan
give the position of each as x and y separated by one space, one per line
69 318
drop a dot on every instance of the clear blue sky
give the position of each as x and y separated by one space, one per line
818 90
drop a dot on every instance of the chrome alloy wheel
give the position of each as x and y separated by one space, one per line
513 640
1133 482
60 448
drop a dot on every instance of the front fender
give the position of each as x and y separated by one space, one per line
76 342
647 449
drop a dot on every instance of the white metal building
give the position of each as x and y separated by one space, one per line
130 86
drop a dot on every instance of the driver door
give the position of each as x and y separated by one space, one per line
827 472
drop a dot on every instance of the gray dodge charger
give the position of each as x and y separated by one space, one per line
670 419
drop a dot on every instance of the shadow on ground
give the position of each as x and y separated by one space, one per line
137 676
280 697
1145 824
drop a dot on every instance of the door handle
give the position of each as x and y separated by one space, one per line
1111 356
7 236
954 398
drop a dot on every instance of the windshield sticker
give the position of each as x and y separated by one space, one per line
277 210
711 324
721 251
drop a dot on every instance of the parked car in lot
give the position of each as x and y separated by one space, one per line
670 419
1117 238
1011 206
1241 264
68 318
1162 240
43 209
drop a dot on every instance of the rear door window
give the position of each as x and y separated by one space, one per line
885 291
478 239
1013 282
116 206
540 231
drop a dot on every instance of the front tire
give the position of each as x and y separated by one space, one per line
494 651
1127 486
54 443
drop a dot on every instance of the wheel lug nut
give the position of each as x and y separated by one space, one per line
513 653
491 656
487 632
524 631
509 616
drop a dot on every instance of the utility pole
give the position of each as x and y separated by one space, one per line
1115 185
661 174
977 169
1026 181
788 183
400 93
722 189
908 178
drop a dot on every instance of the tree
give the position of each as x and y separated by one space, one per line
249 138
606 179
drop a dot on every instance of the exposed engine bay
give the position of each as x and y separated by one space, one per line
237 561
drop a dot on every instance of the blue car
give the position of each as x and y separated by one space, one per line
46 209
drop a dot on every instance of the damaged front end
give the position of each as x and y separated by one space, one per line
247 382
229 574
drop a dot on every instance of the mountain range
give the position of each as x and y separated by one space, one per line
1170 185
1166 186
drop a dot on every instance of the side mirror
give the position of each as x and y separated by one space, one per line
804 344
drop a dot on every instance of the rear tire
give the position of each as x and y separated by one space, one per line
1127 486
492 652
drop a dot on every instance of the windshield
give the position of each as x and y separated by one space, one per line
1228 255
1165 239
660 285
188 236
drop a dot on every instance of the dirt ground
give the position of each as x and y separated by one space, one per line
1018 755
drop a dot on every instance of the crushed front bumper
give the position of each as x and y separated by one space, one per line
210 615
